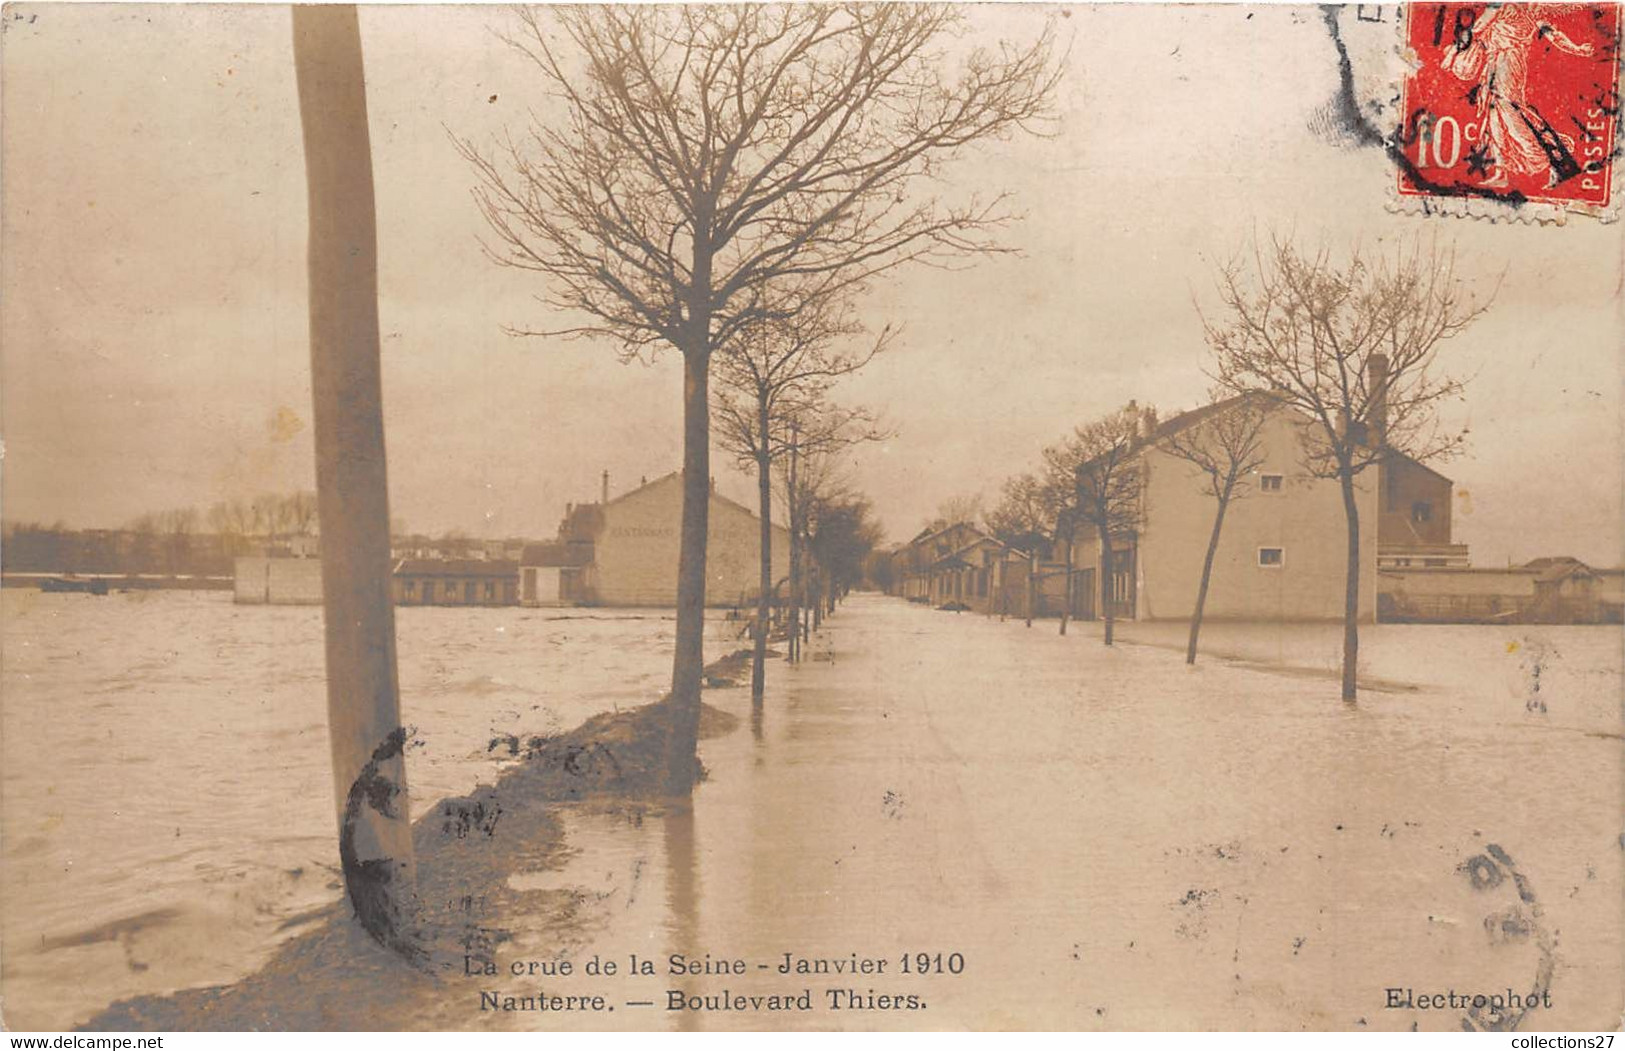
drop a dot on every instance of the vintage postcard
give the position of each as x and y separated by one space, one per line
811 517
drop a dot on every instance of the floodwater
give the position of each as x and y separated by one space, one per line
1071 836
166 797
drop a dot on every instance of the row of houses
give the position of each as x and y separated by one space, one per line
1282 553
611 552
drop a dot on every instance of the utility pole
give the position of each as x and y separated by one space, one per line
363 707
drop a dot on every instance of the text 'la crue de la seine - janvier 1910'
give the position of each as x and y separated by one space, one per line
682 982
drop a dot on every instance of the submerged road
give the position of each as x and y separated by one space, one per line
1064 835
947 821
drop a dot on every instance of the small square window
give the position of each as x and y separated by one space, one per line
1421 511
1270 483
1272 556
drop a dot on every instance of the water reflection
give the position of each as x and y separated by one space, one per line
683 898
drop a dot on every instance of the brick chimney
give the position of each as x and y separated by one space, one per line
1148 422
603 489
1377 404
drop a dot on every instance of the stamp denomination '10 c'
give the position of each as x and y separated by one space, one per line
1511 102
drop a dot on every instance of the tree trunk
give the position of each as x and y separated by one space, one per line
1351 591
792 623
1066 598
1032 584
764 582
1207 574
688 663
1106 587
365 735
801 600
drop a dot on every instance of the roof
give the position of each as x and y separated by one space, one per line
979 541
1190 418
1557 567
456 567
557 553
677 476
931 534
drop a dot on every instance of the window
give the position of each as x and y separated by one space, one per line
1421 511
1273 557
1269 483
411 587
490 590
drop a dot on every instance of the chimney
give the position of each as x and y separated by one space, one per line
603 491
1377 405
1148 422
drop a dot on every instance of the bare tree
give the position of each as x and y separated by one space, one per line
718 162
1024 519
778 373
1352 347
1225 445
808 478
176 526
965 507
236 523
1109 475
299 511
365 734
1057 493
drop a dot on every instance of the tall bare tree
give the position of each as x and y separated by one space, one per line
714 163
1353 347
809 479
962 507
363 704
1109 477
1024 518
1058 494
1225 446
776 373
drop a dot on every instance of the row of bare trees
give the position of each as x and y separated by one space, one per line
1344 351
773 411
712 171
270 516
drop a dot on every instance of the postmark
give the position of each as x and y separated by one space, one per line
1510 110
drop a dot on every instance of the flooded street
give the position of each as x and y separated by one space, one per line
1103 838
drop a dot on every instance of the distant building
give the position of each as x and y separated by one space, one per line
260 580
960 566
1561 590
914 564
623 552
555 574
1413 521
456 582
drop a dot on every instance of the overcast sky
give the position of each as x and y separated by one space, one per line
154 312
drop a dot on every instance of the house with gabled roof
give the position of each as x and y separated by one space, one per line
623 551
1283 549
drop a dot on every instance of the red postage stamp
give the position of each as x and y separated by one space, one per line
1517 103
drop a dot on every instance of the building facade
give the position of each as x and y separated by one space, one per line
1282 552
623 552
456 582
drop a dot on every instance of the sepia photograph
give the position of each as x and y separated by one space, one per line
901 517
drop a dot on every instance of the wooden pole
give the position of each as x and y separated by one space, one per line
363 708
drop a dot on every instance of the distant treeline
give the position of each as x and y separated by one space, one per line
205 542
32 548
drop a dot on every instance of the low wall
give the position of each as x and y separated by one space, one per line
277 581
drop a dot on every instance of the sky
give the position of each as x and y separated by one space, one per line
153 338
